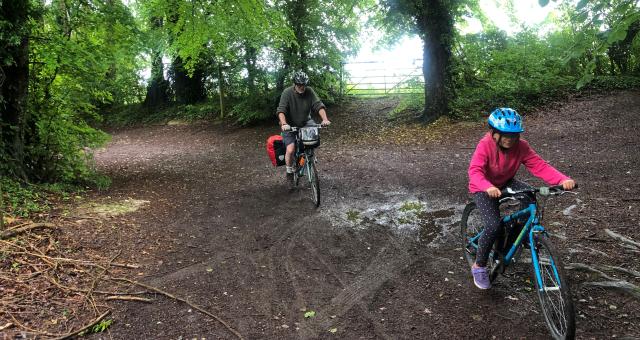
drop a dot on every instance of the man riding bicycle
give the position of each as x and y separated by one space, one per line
296 104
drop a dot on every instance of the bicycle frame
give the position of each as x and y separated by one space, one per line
306 153
308 157
531 227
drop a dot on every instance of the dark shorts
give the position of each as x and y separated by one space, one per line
289 137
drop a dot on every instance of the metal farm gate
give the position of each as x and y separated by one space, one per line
376 78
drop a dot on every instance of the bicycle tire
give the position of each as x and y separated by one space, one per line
467 231
314 181
554 297
297 171
470 226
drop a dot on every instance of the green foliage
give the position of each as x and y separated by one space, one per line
98 328
415 207
353 215
608 82
101 326
494 70
601 30
83 59
251 110
527 69
136 114
24 200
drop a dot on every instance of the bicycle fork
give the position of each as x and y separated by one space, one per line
536 261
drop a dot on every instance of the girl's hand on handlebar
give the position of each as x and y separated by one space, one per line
325 122
285 127
568 184
493 192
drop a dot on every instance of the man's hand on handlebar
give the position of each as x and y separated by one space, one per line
285 127
325 122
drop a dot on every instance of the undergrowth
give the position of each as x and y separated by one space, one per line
23 200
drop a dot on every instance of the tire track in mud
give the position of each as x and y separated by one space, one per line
326 324
389 261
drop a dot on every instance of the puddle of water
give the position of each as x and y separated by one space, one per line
428 222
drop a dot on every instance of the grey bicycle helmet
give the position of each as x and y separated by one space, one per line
300 78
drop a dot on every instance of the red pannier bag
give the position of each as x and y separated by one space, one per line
276 150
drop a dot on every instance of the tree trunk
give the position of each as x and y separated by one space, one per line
14 115
250 57
221 89
295 56
158 89
436 23
188 89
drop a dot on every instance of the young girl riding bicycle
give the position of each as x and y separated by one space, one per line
493 166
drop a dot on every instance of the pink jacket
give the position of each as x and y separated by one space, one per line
490 167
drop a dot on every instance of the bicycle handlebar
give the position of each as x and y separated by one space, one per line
294 129
544 191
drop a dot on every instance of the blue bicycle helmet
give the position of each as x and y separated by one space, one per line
506 120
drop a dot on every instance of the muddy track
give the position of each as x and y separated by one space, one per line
380 258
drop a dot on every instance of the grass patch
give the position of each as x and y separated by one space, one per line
415 207
115 208
353 215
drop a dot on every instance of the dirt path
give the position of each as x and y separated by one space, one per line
379 259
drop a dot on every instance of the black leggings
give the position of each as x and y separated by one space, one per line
490 214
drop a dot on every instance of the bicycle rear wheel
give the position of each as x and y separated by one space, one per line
470 228
553 290
314 181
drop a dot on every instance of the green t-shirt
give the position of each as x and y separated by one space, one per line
298 107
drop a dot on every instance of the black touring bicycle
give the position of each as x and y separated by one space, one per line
307 140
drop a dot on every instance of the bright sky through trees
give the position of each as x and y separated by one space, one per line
407 54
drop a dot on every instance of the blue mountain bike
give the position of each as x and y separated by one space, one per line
547 270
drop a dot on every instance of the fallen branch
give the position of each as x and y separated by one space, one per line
53 260
202 310
128 298
13 232
621 238
624 286
92 264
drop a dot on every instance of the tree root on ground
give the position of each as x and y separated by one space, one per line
624 286
202 310
31 226
623 239
612 282
128 298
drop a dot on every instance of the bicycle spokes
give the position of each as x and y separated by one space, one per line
554 295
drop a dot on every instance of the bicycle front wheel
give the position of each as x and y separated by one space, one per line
553 289
314 181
